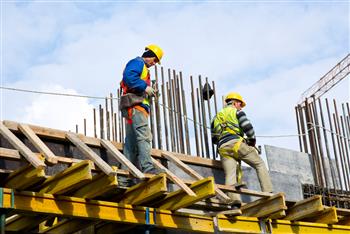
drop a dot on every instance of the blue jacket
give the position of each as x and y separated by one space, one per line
132 75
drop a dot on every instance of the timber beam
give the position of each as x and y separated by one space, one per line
305 208
265 207
25 177
98 186
146 191
70 179
327 216
203 189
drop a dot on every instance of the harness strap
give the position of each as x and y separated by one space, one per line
130 109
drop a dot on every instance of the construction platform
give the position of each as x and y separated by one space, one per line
54 181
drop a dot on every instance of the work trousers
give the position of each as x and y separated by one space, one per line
250 156
137 147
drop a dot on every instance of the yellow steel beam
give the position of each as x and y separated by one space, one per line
25 177
327 216
71 178
47 204
203 189
146 191
99 185
292 227
238 224
265 207
305 208
103 211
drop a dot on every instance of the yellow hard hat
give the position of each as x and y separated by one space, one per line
235 96
156 50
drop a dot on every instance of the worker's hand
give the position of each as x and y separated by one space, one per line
150 91
251 142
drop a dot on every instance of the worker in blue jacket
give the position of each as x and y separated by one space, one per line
136 86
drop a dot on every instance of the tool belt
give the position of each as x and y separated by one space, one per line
130 99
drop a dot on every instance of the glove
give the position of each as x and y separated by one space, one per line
251 142
150 91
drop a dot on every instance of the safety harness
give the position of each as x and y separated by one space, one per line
220 138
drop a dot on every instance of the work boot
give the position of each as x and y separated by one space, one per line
155 171
125 182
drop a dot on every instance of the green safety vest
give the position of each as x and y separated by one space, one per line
225 123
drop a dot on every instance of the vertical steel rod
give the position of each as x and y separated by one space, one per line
171 121
112 114
188 145
340 145
107 120
176 116
298 127
334 146
331 166
209 115
84 126
157 110
312 142
200 123
303 130
345 148
101 123
320 147
194 117
165 118
95 130
205 130
179 111
340 152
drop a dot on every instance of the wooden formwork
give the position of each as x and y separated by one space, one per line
62 202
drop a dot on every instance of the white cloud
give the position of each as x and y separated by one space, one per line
58 112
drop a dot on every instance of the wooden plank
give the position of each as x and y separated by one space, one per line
265 207
61 135
146 191
25 177
70 179
24 150
305 208
230 188
179 199
39 145
10 154
193 174
174 178
107 169
122 159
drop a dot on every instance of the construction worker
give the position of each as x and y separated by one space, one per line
228 129
137 91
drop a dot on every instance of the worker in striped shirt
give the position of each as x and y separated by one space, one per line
228 129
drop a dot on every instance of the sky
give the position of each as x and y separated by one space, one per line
268 51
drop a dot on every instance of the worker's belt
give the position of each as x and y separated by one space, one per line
227 138
130 99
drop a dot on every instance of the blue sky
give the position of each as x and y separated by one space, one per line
269 52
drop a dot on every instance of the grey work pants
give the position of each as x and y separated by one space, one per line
250 156
137 147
